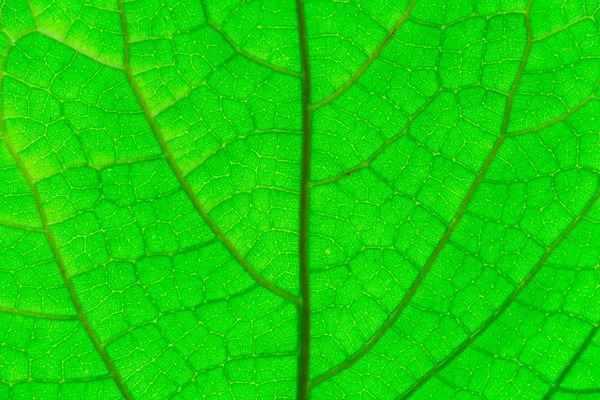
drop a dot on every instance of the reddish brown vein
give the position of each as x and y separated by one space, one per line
441 244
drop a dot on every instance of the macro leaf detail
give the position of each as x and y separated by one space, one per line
303 199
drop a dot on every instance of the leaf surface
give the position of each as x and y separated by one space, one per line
299 199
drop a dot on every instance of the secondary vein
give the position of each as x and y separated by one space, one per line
55 252
442 243
459 350
180 177
369 60
565 372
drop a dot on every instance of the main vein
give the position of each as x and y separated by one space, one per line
180 177
304 309
54 248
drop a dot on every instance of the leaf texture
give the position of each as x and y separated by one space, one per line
294 199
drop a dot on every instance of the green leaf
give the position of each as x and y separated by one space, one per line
261 199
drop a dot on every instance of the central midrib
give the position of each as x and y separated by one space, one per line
304 308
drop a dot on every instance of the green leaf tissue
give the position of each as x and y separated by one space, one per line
299 199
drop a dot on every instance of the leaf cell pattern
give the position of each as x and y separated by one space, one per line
267 199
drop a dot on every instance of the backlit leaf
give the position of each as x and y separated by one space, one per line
293 199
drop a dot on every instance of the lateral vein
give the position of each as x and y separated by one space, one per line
54 248
369 60
181 179
441 244
510 300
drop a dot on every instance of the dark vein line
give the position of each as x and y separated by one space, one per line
59 381
179 175
571 363
226 143
369 60
33 314
304 310
376 153
564 27
18 226
417 283
182 309
520 364
441 244
506 303
249 56
558 119
244 54
54 248
579 391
